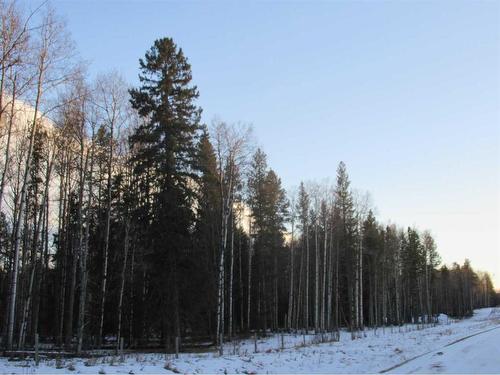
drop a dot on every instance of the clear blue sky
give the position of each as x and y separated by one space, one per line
407 93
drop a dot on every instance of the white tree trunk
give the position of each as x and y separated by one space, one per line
316 281
231 269
306 302
249 295
7 146
325 262
290 295
83 256
122 281
106 237
19 219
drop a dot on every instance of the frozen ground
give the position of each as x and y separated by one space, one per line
446 348
477 354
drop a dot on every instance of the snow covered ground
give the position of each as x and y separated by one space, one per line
477 354
446 348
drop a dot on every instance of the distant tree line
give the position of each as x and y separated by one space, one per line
127 218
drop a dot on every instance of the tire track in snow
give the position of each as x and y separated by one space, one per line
493 312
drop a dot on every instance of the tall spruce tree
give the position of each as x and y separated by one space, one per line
276 214
268 203
413 268
347 239
164 148
256 202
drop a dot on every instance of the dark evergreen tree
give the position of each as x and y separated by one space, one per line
346 233
201 292
268 204
164 147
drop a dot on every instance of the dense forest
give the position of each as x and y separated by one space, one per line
124 218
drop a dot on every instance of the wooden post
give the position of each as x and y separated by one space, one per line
255 342
177 342
304 339
37 358
282 342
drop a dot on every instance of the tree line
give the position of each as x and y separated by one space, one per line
125 218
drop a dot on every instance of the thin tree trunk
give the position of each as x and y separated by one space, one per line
397 292
226 211
356 288
427 290
62 246
300 292
249 296
316 281
306 308
220 302
275 306
78 251
41 283
27 303
22 329
131 318
325 262
106 236
34 260
240 284
122 283
9 137
337 318
330 284
84 248
361 316
230 326
22 199
292 272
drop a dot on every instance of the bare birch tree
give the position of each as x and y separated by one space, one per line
232 151
111 99
52 49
